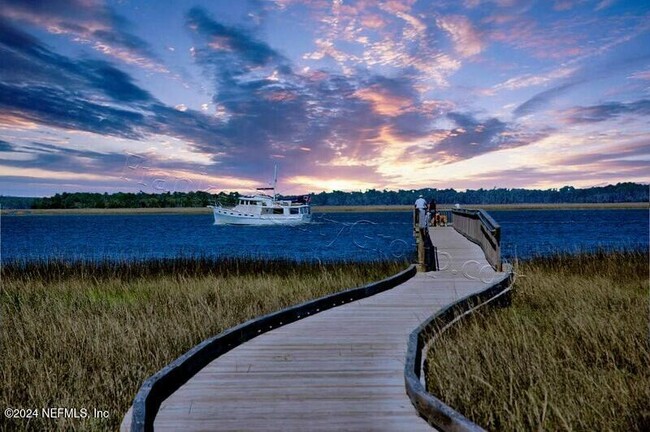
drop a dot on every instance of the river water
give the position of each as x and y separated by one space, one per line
331 236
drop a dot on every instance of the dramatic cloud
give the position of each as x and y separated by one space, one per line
56 158
358 94
535 38
95 88
224 39
467 40
91 96
63 109
113 82
530 80
607 111
635 152
26 60
87 22
541 100
356 35
389 97
472 137
5 146
277 112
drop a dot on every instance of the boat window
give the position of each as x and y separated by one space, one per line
266 211
294 210
278 211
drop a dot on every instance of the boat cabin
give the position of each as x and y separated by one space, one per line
266 205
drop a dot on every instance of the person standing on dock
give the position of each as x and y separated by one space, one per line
433 212
421 205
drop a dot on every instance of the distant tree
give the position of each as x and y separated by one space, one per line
11 202
621 192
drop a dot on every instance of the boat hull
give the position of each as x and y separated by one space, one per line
224 216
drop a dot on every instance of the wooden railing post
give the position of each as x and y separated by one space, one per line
419 240
425 250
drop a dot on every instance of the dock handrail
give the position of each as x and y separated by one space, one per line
479 227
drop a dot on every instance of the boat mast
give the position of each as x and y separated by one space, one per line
275 180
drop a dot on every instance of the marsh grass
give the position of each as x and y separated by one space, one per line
571 353
87 334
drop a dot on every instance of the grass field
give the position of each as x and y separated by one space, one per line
86 336
330 209
572 353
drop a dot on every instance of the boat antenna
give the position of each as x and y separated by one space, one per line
275 180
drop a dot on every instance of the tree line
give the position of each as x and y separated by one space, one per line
621 192
79 200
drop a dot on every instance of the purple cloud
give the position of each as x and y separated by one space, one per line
472 137
607 111
542 99
87 22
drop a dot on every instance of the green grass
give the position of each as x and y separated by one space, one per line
86 335
572 353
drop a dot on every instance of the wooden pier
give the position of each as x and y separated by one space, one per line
340 369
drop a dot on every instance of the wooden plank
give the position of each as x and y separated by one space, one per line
340 369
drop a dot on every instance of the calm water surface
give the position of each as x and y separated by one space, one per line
332 236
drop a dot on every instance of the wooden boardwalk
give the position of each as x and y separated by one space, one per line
342 369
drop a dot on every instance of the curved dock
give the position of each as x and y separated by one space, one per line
341 369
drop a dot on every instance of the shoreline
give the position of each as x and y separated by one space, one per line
329 209
532 206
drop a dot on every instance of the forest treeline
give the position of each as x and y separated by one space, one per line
621 192
77 200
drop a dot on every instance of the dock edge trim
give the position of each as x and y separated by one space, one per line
432 409
170 378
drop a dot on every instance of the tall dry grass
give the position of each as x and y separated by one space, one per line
86 335
572 353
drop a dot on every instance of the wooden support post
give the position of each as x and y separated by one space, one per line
419 234
427 256
421 265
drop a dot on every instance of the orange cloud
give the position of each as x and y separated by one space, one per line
373 21
467 40
383 102
9 121
396 6
329 184
280 96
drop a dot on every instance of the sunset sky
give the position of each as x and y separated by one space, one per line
209 95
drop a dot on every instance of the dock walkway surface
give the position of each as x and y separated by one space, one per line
341 369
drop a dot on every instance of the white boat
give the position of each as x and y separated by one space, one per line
263 209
